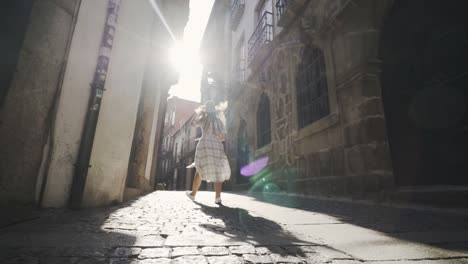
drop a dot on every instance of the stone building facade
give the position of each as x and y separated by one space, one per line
349 98
178 112
62 53
180 177
214 50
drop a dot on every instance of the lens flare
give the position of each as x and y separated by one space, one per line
254 167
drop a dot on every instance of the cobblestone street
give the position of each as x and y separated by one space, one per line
167 227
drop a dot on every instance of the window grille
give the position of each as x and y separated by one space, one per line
312 87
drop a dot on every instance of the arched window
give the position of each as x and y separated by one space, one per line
312 87
263 122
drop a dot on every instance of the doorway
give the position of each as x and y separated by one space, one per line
424 52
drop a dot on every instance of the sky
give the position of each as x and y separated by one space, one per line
185 55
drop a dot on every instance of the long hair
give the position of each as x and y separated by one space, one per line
211 117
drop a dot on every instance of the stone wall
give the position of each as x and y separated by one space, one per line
345 153
25 115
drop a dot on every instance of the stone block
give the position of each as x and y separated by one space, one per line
376 157
155 261
370 87
324 157
336 187
214 251
335 136
371 107
314 165
355 187
184 251
126 252
277 258
225 259
242 249
155 253
386 181
190 260
354 162
337 162
311 187
370 184
367 130
254 259
118 261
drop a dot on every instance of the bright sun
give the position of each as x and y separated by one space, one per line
176 56
184 55
185 59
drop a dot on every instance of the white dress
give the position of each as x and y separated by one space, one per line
210 160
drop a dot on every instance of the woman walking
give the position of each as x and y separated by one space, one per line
210 160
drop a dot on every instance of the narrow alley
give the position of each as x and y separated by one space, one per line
317 131
167 227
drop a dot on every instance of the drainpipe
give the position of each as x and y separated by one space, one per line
97 90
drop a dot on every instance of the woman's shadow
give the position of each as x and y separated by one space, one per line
238 224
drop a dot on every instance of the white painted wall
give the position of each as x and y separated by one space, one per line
114 133
74 101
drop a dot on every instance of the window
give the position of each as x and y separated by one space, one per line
312 87
240 57
263 122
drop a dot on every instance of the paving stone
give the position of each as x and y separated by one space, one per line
276 249
126 252
242 250
262 250
149 241
155 261
71 260
155 253
225 259
89 261
25 260
190 260
277 258
122 261
252 258
293 250
184 251
314 258
308 249
214 251
330 253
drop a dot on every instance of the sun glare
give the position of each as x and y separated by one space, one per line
183 58
184 55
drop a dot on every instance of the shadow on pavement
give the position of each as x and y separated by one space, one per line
240 225
402 223
62 236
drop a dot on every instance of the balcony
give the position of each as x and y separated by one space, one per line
262 35
237 9
281 6
287 10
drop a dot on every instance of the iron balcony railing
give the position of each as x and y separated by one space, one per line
281 6
262 34
237 9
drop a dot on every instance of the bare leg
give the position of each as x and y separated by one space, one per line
196 184
218 187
